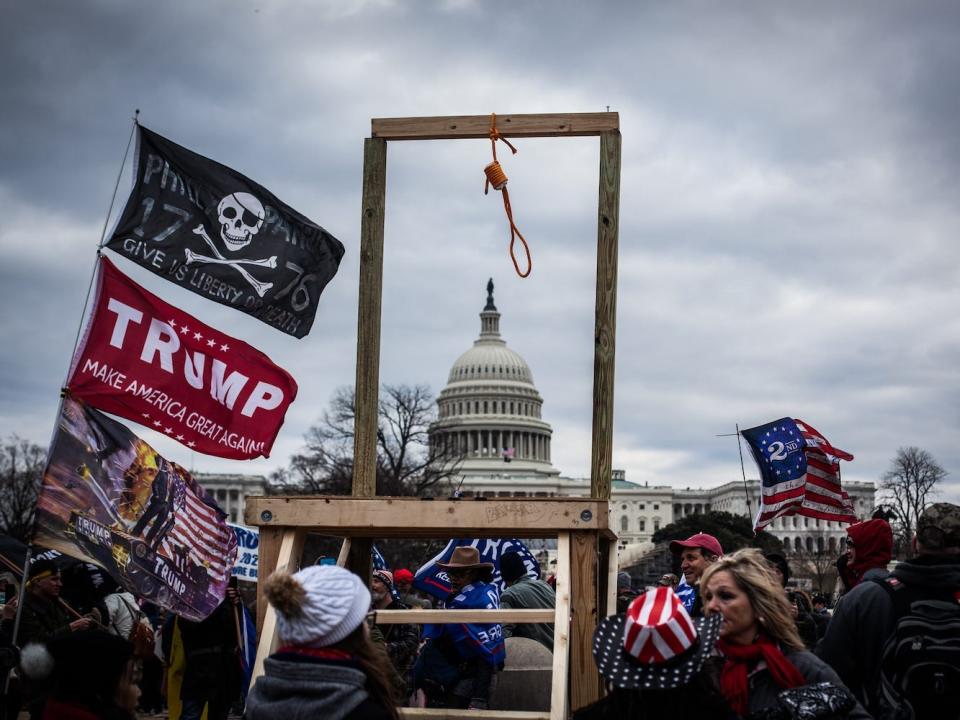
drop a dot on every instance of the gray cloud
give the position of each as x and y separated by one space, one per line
788 207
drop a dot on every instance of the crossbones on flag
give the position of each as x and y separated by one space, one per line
147 361
211 230
800 472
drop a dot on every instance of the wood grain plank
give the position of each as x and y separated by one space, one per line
447 617
561 632
613 567
452 714
605 328
267 552
510 125
368 317
359 560
584 678
411 517
288 558
344 553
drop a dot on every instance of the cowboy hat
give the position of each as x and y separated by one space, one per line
465 558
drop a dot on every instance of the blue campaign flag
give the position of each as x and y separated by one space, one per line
778 448
800 472
249 650
686 593
432 579
473 640
380 564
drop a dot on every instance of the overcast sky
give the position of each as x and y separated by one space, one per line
789 204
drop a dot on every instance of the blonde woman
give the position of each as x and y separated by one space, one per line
763 653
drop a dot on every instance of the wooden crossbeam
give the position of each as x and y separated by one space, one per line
463 127
447 617
451 714
382 517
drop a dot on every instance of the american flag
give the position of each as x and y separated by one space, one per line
508 454
199 529
800 473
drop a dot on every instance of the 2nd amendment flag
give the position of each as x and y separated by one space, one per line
213 231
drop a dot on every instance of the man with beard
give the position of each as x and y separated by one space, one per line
43 619
401 639
696 554
457 666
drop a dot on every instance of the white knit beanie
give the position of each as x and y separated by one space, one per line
318 606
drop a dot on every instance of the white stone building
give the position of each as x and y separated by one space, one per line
231 491
490 411
490 405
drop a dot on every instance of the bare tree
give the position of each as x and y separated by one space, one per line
21 471
816 561
912 477
407 462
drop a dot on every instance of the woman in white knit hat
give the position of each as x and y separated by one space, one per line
326 667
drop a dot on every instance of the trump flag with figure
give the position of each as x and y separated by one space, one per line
800 473
109 498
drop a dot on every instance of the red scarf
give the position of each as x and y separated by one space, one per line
733 678
314 652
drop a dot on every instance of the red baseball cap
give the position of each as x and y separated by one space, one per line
403 575
700 540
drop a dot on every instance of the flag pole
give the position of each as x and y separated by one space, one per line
116 186
21 596
743 472
103 235
63 385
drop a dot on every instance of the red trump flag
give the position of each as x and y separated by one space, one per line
149 362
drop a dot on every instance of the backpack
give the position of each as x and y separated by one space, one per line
141 632
920 665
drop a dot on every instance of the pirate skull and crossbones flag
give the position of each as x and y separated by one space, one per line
213 231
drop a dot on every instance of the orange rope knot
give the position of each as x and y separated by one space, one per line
496 177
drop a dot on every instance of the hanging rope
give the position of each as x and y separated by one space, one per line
498 179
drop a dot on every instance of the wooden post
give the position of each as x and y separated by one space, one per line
344 552
288 558
585 686
267 553
613 565
561 631
608 220
359 561
367 386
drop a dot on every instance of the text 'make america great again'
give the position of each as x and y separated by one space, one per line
147 361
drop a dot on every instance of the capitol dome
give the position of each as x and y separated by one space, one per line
489 413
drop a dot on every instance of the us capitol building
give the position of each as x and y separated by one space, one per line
491 412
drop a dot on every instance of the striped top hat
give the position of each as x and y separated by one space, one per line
656 644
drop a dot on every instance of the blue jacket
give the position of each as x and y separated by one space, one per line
483 641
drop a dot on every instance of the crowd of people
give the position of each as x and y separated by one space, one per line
733 638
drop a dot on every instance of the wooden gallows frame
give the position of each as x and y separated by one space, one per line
586 562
